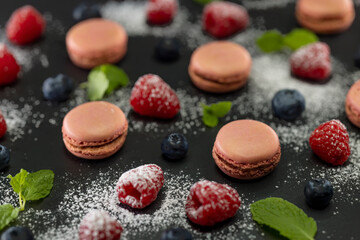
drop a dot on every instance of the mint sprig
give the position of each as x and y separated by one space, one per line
29 187
212 113
204 2
273 40
285 217
104 79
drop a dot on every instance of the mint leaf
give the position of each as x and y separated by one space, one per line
209 119
204 2
17 182
299 37
220 109
97 84
38 184
7 214
285 217
104 79
270 41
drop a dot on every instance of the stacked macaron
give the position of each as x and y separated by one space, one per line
94 130
352 104
325 16
220 67
246 149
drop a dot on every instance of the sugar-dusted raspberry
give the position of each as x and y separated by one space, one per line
140 186
161 11
3 126
312 62
209 203
9 69
330 142
152 97
25 25
222 19
99 225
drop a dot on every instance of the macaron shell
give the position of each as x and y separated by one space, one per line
352 104
247 141
94 123
96 41
97 152
221 61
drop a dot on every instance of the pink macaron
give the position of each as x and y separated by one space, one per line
94 130
352 104
220 67
246 149
96 41
325 16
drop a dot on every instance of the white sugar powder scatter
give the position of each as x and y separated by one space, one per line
85 195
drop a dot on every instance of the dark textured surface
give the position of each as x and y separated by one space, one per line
48 152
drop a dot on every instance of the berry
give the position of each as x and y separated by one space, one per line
3 126
168 49
140 186
288 104
152 97
161 11
222 19
9 68
176 234
330 142
99 225
85 11
25 25
174 146
312 62
58 88
209 203
318 193
4 157
17 233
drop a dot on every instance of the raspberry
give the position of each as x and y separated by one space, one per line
209 203
312 62
330 142
161 11
140 186
9 68
99 225
222 19
25 25
3 126
152 97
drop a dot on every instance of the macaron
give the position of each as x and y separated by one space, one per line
246 149
94 130
325 16
352 104
220 67
96 41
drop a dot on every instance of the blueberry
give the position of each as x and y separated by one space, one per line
4 157
318 193
85 11
176 234
288 104
174 146
168 49
17 233
57 88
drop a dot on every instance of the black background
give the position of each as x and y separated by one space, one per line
48 151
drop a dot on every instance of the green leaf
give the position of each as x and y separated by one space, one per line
209 119
299 37
270 41
116 77
38 185
220 109
97 84
17 182
204 2
284 217
7 214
